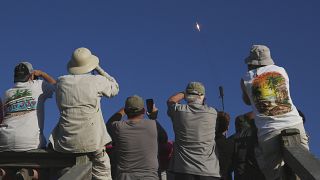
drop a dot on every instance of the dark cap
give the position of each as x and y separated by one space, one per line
22 72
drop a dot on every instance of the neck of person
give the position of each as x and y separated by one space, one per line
136 118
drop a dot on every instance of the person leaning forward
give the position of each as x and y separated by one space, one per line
135 141
81 126
23 110
266 88
194 128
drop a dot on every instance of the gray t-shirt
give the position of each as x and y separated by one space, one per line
194 146
136 146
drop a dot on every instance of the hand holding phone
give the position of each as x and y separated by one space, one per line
150 104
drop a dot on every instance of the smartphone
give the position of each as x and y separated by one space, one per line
149 103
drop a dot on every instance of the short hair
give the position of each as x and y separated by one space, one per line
131 114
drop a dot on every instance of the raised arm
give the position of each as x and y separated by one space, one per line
44 75
114 86
115 117
162 134
176 98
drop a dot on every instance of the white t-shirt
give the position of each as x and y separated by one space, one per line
269 93
23 107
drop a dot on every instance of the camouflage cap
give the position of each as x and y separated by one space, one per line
134 104
259 55
196 88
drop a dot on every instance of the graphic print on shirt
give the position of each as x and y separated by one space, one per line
19 102
270 94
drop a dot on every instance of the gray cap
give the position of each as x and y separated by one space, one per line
196 88
259 55
134 104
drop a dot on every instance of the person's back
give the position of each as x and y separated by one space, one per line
137 146
78 99
194 127
23 105
135 141
81 126
194 138
266 88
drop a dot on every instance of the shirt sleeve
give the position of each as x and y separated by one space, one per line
106 87
48 89
172 109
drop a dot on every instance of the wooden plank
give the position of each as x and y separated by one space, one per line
38 158
298 158
79 172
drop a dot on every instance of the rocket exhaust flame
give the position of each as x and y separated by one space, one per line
197 27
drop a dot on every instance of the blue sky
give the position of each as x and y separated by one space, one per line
152 49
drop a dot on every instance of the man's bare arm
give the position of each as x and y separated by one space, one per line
175 98
44 75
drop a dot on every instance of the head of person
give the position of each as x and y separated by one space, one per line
82 61
22 72
195 92
134 107
244 121
259 56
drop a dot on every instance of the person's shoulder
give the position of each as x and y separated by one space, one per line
210 109
64 77
119 124
179 106
100 78
149 121
34 84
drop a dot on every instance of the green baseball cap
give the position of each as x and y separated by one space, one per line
196 88
134 104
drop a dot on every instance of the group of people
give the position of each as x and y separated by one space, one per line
140 147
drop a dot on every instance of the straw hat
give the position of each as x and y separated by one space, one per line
82 61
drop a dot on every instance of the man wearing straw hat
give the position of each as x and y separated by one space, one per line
266 88
81 126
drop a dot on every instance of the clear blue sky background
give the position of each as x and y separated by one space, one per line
152 49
